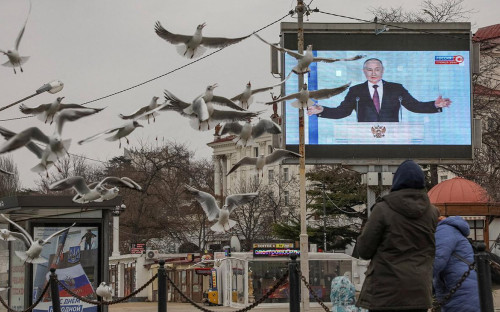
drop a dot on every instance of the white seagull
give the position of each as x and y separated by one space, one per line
260 161
110 193
304 60
195 45
246 97
4 288
303 98
32 255
246 133
140 112
213 211
46 112
93 192
122 131
13 55
104 291
203 116
7 235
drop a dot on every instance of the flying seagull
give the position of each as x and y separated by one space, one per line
7 235
201 111
246 132
213 211
122 131
32 255
304 60
13 55
195 45
46 112
93 192
104 291
140 112
55 147
110 193
246 97
4 288
260 161
303 98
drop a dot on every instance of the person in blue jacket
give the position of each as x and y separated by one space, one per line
454 253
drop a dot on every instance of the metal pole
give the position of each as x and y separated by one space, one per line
294 284
324 218
162 287
484 278
304 243
54 291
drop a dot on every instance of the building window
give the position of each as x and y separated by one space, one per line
443 178
285 174
286 196
256 152
476 230
269 149
270 176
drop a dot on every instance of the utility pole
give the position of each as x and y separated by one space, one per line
304 244
324 217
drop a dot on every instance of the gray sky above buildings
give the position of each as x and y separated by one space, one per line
100 47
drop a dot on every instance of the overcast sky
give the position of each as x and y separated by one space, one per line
100 47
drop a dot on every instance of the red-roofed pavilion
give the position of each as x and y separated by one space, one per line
462 197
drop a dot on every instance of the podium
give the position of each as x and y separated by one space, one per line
400 133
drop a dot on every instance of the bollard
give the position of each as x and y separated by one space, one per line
293 284
484 278
54 291
162 287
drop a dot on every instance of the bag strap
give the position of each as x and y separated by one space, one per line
462 259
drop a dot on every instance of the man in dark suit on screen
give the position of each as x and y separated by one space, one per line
377 100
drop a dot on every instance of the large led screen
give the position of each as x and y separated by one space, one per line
406 123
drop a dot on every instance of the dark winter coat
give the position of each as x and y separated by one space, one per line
399 239
451 237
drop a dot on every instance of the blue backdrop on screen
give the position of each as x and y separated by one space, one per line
425 74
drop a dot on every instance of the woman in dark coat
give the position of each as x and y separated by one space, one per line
453 254
399 239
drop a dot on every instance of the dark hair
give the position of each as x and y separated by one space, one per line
373 59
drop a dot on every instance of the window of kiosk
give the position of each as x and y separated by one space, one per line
264 276
322 272
238 281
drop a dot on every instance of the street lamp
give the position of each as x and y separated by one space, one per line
51 87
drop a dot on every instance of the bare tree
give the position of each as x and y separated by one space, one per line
9 184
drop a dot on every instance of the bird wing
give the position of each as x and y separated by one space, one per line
122 182
231 127
35 110
235 200
225 102
175 104
21 33
22 237
206 201
98 135
170 37
140 111
26 234
57 233
332 60
151 111
23 138
280 154
290 52
264 126
243 162
135 184
219 42
229 116
288 97
327 93
76 182
66 106
6 172
73 114
7 134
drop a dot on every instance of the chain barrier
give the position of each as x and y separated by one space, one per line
31 307
436 305
279 282
312 292
96 302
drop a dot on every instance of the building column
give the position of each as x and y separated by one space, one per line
116 229
217 174
224 177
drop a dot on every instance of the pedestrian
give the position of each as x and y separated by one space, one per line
454 255
399 240
343 295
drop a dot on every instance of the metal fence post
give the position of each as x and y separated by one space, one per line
162 287
484 278
54 291
293 284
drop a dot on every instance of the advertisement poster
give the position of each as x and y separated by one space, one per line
74 255
17 277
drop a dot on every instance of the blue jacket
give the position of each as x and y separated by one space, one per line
451 237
